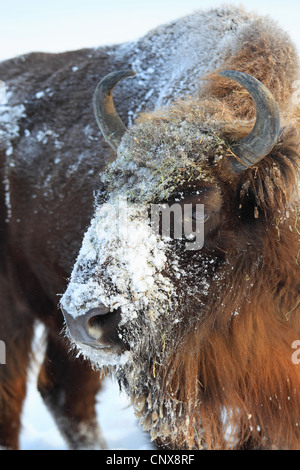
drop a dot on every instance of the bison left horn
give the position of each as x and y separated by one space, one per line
256 145
106 115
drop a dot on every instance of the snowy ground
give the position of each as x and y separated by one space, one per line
118 423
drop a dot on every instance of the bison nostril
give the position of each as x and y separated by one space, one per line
97 327
94 325
95 320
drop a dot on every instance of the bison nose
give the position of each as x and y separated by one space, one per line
88 328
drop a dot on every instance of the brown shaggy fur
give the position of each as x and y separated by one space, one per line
240 366
232 371
272 59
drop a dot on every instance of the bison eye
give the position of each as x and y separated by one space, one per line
200 216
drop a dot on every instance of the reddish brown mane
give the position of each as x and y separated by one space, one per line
236 362
233 369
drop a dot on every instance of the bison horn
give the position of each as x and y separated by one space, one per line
106 115
256 145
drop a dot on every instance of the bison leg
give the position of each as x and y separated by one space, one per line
69 387
16 332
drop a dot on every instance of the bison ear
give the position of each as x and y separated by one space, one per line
256 145
106 115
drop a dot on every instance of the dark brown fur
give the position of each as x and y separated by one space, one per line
39 244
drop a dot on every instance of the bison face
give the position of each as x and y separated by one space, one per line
135 290
132 273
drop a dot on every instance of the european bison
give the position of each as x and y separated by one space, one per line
201 339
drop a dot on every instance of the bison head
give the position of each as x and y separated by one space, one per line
141 302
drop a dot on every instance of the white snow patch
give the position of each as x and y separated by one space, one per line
42 135
115 415
119 265
39 95
9 130
119 235
183 51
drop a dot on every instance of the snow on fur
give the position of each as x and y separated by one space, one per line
9 130
119 265
170 59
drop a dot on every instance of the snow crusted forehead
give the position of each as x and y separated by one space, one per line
157 157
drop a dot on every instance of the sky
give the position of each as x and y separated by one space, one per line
61 25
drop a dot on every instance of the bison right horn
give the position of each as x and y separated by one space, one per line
256 145
108 120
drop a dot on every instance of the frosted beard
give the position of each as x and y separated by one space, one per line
121 265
